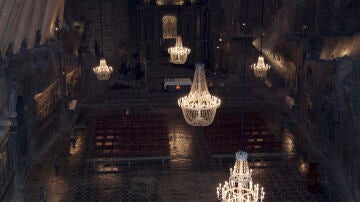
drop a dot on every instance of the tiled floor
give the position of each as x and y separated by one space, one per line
190 175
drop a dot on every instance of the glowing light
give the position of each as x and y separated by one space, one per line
289 144
260 68
170 2
303 167
199 106
178 53
76 146
103 71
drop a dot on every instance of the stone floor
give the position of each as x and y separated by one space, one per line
190 175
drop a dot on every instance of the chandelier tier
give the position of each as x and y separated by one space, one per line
103 71
199 106
178 53
260 68
240 187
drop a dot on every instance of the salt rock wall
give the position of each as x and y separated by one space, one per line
337 47
20 20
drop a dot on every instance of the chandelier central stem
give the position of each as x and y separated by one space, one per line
262 26
199 81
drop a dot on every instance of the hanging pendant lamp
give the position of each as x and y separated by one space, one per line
178 53
103 71
199 106
261 68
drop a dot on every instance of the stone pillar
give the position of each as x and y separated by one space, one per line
12 116
14 150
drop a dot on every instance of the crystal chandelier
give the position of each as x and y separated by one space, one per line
178 53
103 71
240 187
199 106
2 161
260 68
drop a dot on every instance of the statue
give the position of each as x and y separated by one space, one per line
23 46
37 38
10 50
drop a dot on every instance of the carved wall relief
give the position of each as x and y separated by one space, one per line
169 24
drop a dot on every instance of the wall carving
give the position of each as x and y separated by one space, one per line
169 24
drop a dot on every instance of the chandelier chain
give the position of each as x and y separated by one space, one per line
244 79
101 29
262 26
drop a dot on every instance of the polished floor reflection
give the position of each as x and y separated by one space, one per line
191 174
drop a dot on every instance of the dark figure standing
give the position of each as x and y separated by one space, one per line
96 49
56 167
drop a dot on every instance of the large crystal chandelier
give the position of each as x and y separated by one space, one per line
178 53
199 106
240 187
103 71
260 68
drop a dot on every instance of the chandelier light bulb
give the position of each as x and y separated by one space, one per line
178 53
260 68
199 106
240 187
103 71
